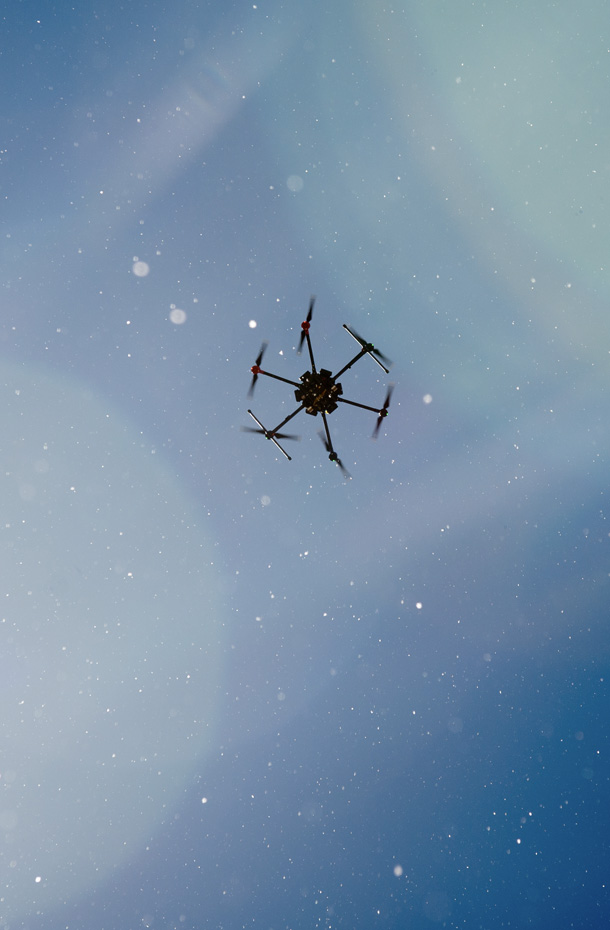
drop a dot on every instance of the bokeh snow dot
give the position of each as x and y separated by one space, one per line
177 316
140 269
295 183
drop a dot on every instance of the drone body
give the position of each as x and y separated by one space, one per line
319 392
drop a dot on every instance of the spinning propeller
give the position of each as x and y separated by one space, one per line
256 368
384 411
271 434
305 326
333 455
375 354
268 434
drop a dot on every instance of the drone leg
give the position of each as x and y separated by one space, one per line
256 420
276 443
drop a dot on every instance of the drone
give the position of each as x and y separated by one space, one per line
319 392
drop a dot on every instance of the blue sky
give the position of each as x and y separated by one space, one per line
239 691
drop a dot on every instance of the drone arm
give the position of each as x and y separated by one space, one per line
353 403
329 442
332 455
278 377
327 431
289 417
313 364
349 364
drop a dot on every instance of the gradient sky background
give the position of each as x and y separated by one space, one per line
241 692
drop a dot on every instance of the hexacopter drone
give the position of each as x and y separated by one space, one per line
319 392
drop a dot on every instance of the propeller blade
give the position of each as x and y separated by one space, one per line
256 368
387 361
305 325
252 429
384 410
333 455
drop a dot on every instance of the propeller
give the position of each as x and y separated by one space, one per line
270 435
305 325
371 348
333 455
384 410
256 368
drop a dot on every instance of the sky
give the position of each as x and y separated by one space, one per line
239 691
